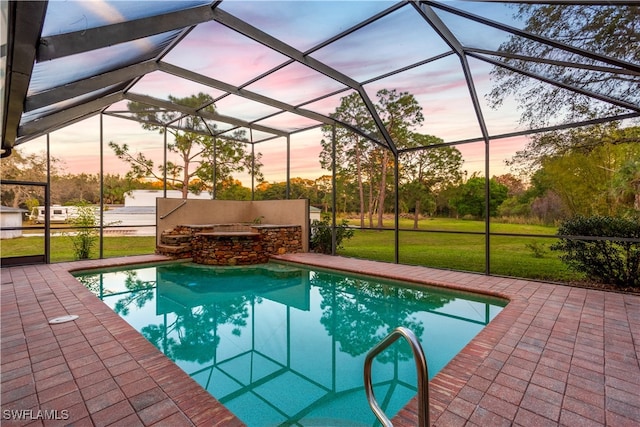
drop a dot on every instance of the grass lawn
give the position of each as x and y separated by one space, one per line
440 248
510 255
62 247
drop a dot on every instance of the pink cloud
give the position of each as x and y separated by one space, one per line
288 122
295 84
161 85
242 108
218 52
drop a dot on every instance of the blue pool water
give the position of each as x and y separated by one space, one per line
283 345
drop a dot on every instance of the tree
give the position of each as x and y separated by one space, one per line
76 188
115 187
232 189
549 208
600 181
196 151
30 167
401 114
426 171
612 31
471 198
542 200
590 170
299 188
359 158
323 184
514 184
352 150
229 156
585 139
516 204
626 183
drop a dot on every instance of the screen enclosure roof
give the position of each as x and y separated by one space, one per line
274 68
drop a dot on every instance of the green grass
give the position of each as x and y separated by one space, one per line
510 255
62 247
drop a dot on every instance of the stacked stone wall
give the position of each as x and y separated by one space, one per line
238 245
281 240
228 250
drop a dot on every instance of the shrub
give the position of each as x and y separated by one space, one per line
321 234
610 261
537 249
84 238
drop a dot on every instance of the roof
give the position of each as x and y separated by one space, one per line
8 209
275 68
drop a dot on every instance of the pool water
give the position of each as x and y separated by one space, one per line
283 345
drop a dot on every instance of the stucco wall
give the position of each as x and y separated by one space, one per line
173 212
8 219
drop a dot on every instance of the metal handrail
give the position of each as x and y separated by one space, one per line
184 202
421 369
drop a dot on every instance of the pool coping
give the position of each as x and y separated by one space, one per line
555 355
96 370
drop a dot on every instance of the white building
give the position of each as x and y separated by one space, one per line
148 197
314 213
10 218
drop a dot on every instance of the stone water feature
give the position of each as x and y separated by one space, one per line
230 244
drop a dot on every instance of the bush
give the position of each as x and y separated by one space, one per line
614 262
85 237
321 234
537 249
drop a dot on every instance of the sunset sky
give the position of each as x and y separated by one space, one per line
78 146
215 51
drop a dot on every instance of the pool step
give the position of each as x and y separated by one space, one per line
174 251
175 239
175 245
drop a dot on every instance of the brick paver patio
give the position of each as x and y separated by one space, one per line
556 355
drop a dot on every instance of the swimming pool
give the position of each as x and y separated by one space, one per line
285 345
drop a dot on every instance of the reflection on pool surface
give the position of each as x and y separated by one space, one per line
284 345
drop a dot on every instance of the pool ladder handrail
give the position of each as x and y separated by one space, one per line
421 368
